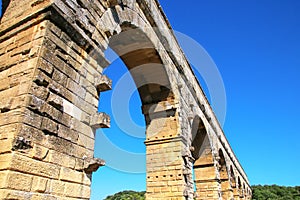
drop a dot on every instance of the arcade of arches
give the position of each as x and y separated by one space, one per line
51 64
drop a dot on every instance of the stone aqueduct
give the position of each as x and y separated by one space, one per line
51 64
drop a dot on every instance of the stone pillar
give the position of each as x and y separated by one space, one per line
236 194
249 196
242 194
48 106
227 191
164 170
207 185
165 164
206 180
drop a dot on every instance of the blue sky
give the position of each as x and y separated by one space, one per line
256 47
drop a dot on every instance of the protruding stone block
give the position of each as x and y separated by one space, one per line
100 120
92 165
103 83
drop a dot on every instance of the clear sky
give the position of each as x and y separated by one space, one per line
256 47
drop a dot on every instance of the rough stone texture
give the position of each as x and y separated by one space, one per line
51 64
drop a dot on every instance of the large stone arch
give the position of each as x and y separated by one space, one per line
136 43
146 59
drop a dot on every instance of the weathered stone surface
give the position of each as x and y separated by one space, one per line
39 184
100 120
103 83
91 165
25 165
21 143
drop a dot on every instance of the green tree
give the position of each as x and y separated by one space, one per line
275 192
127 195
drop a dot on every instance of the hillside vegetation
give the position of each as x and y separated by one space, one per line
265 192
275 192
127 195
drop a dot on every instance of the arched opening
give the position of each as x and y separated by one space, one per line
244 191
249 193
206 182
227 192
126 159
240 188
234 183
153 88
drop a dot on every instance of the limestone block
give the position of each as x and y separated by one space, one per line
49 43
59 77
81 152
103 83
61 159
86 142
34 102
86 107
4 84
39 184
39 152
81 127
51 111
14 194
71 109
30 133
3 178
75 88
39 92
55 101
92 164
61 145
91 99
37 196
66 120
28 165
49 126
66 133
56 187
32 119
79 163
45 66
71 175
85 118
86 192
18 181
100 120
205 173
77 190
8 131
5 146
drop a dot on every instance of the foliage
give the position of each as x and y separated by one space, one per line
265 192
127 195
275 192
